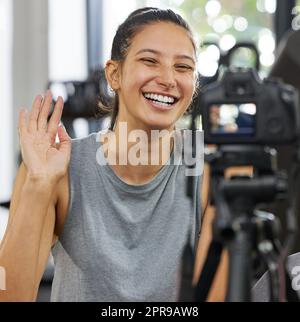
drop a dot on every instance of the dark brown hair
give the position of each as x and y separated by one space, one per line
122 41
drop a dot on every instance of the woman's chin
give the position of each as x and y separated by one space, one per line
153 121
155 125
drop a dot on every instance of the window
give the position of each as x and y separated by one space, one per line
226 22
116 12
68 59
67 40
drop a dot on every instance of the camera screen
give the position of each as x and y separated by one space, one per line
232 119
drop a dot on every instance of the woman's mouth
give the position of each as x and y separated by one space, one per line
161 102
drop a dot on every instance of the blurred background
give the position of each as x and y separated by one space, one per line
64 44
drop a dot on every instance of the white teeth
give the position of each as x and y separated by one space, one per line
162 104
160 98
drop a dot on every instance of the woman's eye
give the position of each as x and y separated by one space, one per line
184 67
148 60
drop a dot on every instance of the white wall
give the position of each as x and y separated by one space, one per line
24 73
30 55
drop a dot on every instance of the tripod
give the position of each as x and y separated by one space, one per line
246 232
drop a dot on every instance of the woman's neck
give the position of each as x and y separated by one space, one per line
139 154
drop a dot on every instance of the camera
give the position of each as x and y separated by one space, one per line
243 109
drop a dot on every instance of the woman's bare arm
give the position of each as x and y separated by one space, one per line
219 286
218 290
25 248
32 212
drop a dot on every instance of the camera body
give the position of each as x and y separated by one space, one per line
241 108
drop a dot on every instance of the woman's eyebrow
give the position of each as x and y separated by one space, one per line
153 51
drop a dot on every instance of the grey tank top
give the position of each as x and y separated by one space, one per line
122 242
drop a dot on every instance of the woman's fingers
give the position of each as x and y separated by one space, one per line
22 121
38 118
55 117
35 111
44 112
64 139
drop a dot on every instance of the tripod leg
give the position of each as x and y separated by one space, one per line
240 268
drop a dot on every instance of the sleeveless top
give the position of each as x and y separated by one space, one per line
123 242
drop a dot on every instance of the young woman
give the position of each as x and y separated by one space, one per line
118 230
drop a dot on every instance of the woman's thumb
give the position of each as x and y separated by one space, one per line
64 139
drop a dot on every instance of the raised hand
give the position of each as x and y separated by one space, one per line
43 157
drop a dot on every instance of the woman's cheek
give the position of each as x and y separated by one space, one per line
140 79
190 82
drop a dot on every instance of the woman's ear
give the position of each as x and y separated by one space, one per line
112 69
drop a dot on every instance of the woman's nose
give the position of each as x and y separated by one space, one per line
166 78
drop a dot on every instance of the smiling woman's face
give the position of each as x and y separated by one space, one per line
157 79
